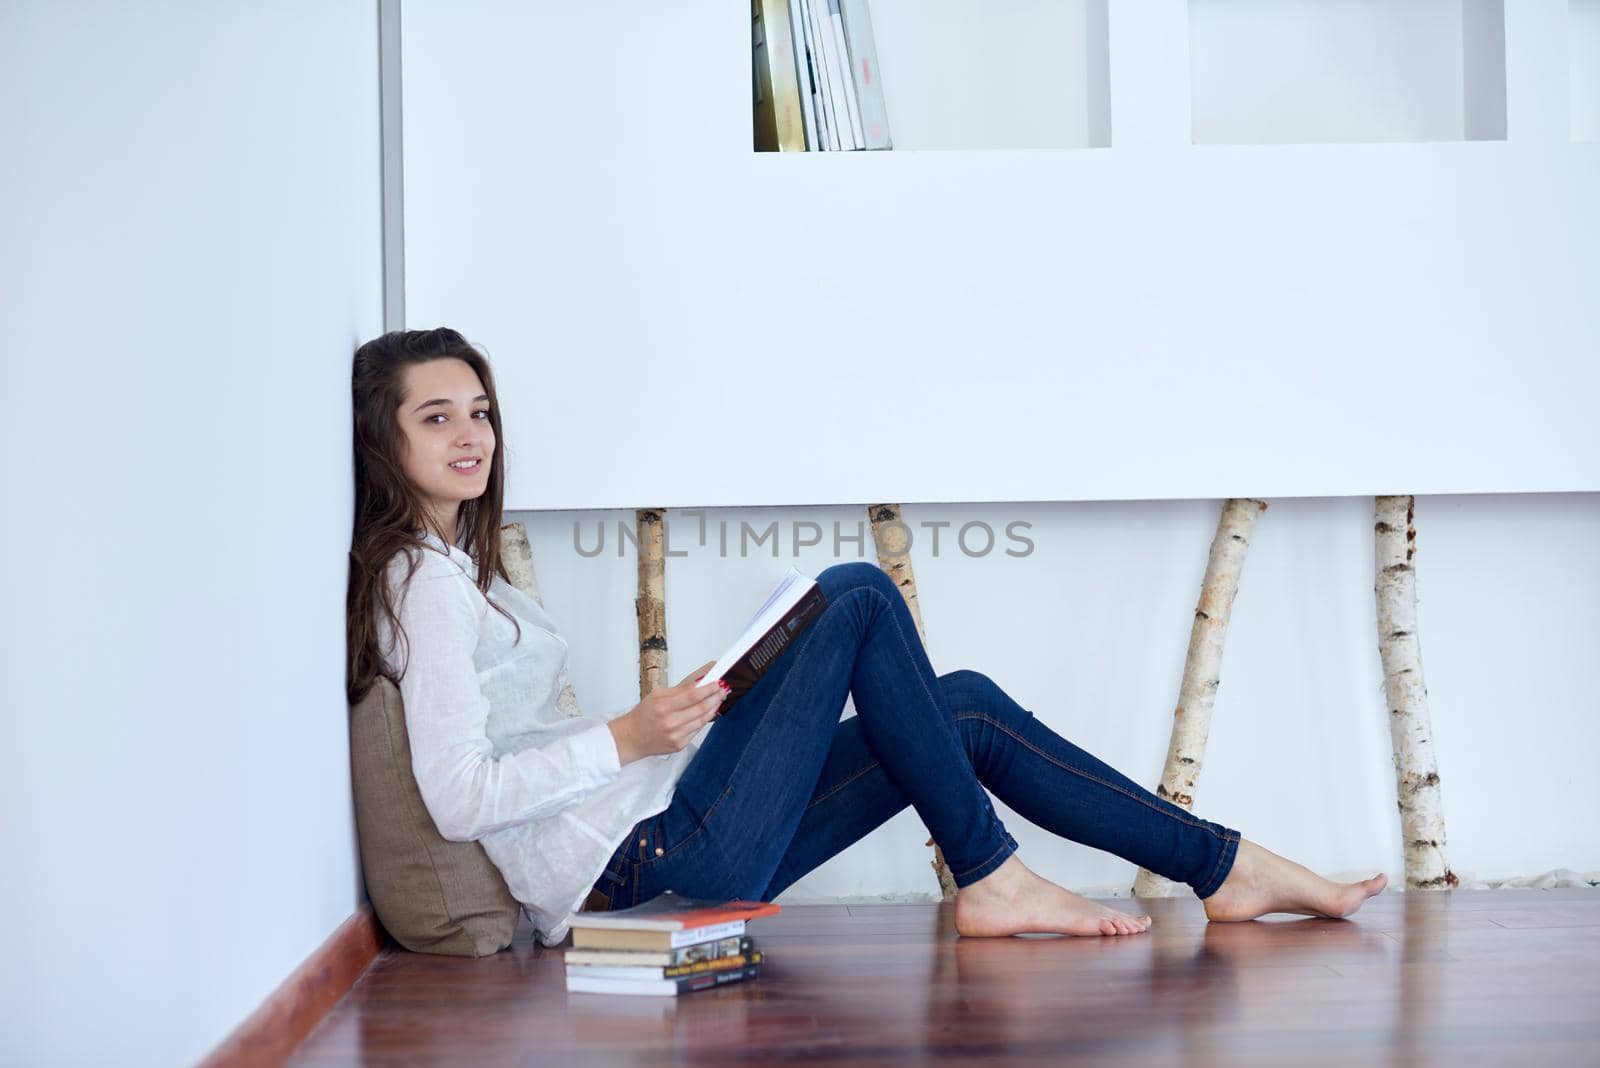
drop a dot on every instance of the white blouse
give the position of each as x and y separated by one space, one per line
495 758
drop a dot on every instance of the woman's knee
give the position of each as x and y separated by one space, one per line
854 573
972 691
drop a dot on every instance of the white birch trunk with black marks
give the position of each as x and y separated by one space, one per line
650 605
516 552
892 539
1197 693
1410 722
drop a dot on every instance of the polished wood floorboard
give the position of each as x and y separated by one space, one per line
1457 978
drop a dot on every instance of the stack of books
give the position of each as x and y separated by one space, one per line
817 85
668 945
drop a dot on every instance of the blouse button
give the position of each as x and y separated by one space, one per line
641 841
659 851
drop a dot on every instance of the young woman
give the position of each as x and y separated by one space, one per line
580 811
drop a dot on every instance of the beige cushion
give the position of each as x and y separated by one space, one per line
432 895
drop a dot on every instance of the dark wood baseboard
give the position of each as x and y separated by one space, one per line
293 1010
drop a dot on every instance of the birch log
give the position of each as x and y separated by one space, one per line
1410 722
516 553
1191 720
651 603
892 539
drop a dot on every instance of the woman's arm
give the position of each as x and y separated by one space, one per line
468 791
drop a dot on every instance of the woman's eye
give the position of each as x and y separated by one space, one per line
440 415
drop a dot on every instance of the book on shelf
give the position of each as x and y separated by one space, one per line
779 119
847 82
670 987
830 97
832 77
791 607
864 72
667 921
805 73
819 79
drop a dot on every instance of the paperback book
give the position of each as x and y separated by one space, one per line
793 605
700 951
667 921
670 987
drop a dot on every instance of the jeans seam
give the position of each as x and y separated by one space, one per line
1091 777
910 654
852 778
959 874
799 651
1217 867
645 862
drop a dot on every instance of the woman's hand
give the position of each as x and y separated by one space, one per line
665 720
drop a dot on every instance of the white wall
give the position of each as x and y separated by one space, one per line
1180 320
1584 66
190 254
1089 632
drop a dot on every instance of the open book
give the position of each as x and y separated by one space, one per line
791 607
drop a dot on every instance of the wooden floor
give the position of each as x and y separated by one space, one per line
1467 977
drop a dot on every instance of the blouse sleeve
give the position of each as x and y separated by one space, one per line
468 791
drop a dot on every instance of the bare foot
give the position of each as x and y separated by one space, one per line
1261 882
1012 899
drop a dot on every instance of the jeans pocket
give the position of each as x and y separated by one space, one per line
662 840
647 844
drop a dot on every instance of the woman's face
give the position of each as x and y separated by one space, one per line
444 418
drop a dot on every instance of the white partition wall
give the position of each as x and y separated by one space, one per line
189 253
1154 319
1583 48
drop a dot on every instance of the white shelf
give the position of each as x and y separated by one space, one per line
972 74
1303 71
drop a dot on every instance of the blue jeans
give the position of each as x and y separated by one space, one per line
781 783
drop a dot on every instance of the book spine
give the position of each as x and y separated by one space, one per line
780 74
845 74
834 63
639 958
864 72
700 982
802 70
824 77
610 971
754 957
687 984
748 669
601 937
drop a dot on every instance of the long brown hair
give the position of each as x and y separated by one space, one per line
389 511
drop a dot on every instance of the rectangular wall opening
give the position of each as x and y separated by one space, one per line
1299 71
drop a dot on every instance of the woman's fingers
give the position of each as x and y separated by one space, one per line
698 712
697 673
692 697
